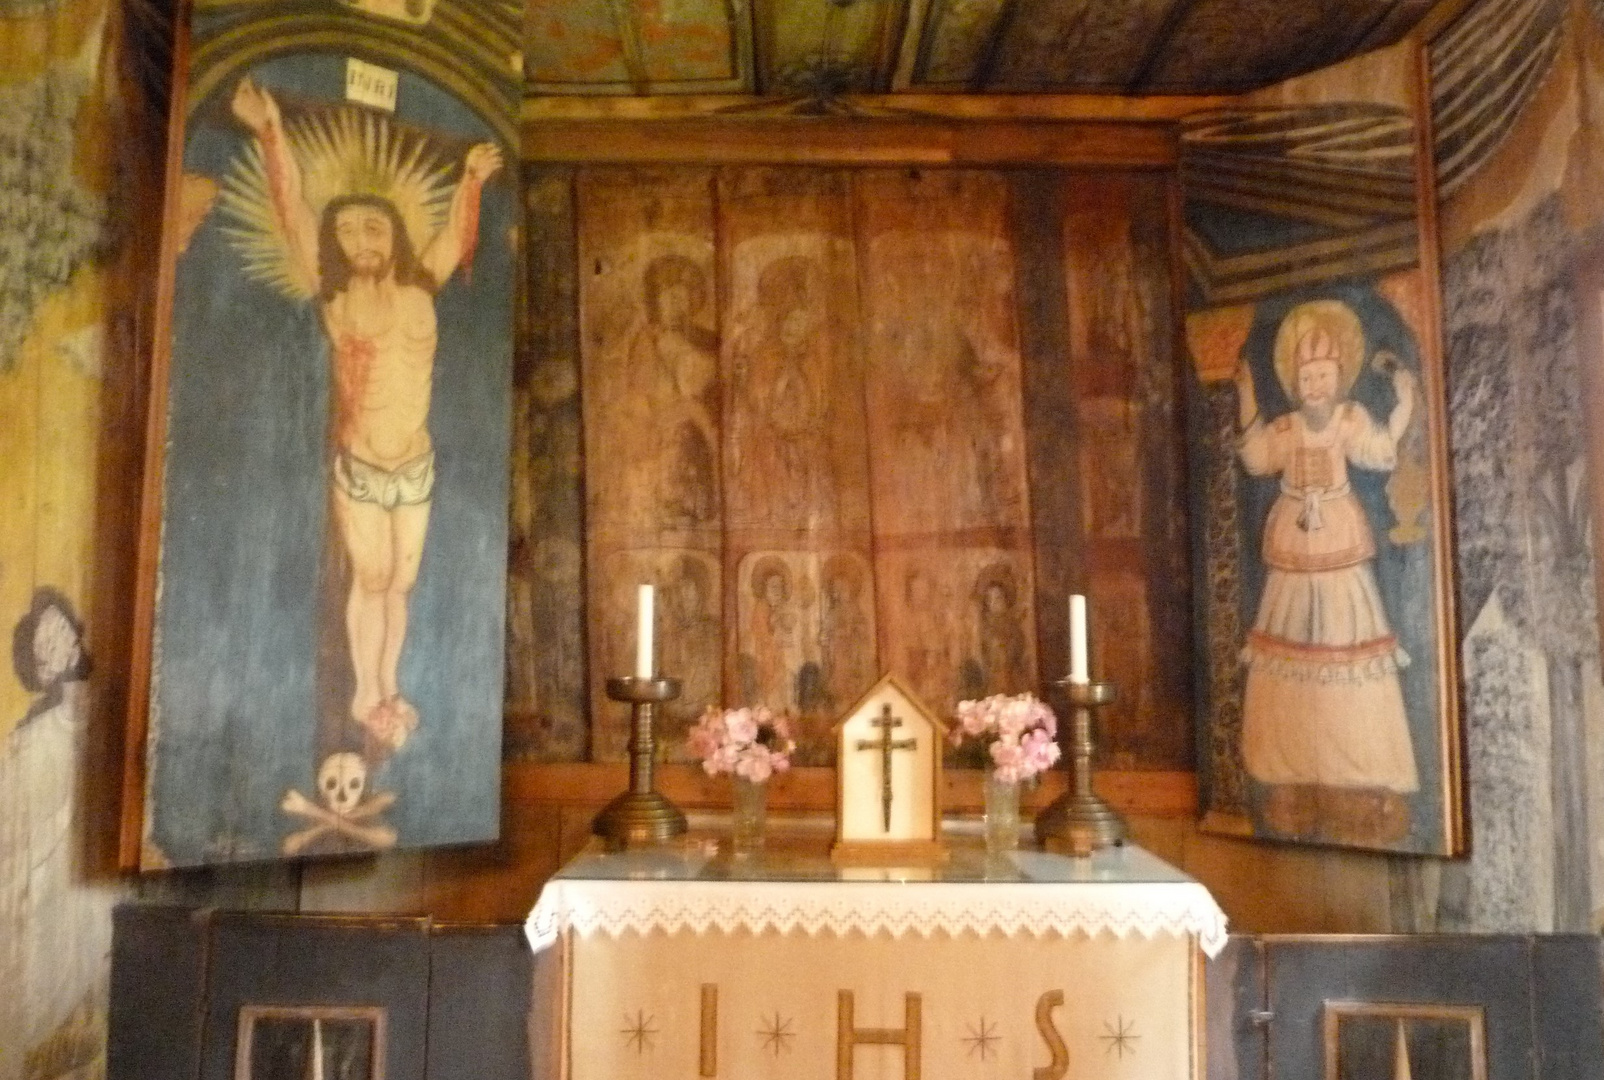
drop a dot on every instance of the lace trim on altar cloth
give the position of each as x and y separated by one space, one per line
1037 910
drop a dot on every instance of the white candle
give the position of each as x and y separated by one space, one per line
645 665
1077 639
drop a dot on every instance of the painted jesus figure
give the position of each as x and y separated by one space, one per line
375 298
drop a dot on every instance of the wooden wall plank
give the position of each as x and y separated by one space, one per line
498 883
1052 428
797 539
1130 479
389 883
955 587
546 668
652 399
20 389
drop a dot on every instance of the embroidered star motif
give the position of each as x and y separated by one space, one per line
1120 1037
776 1033
982 1039
640 1032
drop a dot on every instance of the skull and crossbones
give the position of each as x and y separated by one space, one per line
341 782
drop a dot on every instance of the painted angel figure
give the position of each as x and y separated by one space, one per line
356 254
1324 724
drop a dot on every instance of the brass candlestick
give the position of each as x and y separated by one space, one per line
1078 820
641 815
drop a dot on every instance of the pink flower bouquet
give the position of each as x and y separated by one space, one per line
1019 732
752 743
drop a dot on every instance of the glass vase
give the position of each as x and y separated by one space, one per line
1002 815
747 811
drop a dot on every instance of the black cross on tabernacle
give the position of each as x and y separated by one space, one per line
885 722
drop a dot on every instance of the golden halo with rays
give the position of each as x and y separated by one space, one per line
340 152
1337 320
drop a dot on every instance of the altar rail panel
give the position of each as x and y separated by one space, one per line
1314 1007
209 995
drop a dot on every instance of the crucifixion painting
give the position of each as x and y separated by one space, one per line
372 274
329 643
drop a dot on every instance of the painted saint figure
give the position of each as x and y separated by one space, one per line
672 379
1324 725
374 292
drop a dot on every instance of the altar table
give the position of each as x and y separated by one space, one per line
672 963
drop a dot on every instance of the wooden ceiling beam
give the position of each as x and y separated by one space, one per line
1053 107
855 141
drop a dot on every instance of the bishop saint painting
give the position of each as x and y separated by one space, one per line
329 623
1323 706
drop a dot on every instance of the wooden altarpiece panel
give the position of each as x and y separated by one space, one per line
320 643
854 421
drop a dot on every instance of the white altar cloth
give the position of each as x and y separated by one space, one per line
673 963
1121 891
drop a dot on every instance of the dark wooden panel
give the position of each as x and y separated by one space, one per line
1567 985
293 960
1130 474
797 555
1493 973
1234 1000
1052 431
480 979
545 695
158 986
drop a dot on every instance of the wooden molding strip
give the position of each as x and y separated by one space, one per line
851 141
1146 794
1160 109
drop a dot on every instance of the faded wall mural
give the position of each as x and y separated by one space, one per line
58 341
805 421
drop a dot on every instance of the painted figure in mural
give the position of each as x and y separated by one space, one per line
1003 660
776 636
930 657
846 638
778 431
1324 726
691 634
373 283
673 369
54 967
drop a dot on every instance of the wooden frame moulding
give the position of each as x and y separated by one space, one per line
1084 131
881 130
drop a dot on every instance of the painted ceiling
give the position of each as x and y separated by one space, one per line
823 47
